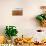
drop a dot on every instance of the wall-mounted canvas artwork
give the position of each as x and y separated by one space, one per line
17 12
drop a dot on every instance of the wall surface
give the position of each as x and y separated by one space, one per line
25 24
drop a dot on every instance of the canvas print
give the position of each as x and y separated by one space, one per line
17 12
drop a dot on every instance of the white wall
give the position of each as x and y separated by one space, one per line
25 24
